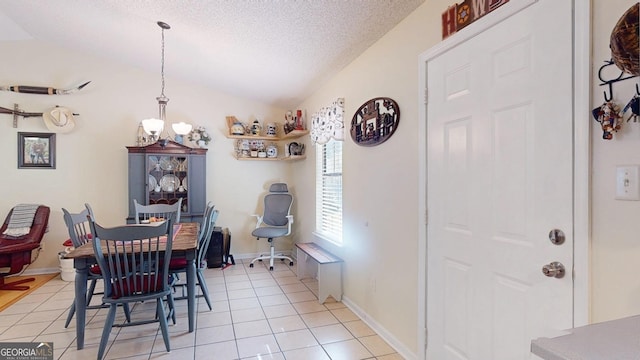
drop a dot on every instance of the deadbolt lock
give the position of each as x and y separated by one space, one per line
554 269
556 237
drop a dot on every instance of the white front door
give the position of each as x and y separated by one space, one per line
499 175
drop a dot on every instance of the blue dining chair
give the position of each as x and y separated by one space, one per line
134 262
159 211
80 234
179 265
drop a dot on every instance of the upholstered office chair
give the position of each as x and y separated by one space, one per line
80 234
159 211
134 269
15 250
179 265
275 222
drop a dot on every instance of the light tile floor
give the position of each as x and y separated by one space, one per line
257 314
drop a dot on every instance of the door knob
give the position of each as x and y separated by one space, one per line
554 269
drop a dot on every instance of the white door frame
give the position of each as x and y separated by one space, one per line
582 156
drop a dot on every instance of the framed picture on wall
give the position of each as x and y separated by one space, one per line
36 150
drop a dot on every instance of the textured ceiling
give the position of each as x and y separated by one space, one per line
275 51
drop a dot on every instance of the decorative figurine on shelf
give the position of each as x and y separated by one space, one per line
289 122
256 128
237 128
296 149
299 120
272 129
272 150
243 148
200 136
141 139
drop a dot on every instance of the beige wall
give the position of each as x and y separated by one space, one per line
615 223
92 160
380 183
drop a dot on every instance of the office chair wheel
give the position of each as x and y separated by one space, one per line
250 265
270 268
291 263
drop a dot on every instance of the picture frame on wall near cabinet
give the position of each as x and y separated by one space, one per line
36 150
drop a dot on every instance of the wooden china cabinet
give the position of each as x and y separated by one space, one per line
164 174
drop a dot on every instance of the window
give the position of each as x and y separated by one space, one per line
329 191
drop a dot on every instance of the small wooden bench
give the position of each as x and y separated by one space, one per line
329 269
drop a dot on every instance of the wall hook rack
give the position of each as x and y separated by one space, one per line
610 82
16 111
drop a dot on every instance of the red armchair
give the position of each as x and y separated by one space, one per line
15 252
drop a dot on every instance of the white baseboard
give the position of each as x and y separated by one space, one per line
380 330
39 271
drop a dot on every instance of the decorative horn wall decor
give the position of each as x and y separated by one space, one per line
41 90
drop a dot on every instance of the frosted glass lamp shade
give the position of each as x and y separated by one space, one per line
153 126
181 128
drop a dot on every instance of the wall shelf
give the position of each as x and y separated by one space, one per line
286 158
292 135
283 153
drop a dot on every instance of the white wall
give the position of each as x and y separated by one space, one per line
92 159
615 223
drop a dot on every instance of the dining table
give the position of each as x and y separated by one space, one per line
185 244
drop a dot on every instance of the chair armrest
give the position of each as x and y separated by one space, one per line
258 220
290 218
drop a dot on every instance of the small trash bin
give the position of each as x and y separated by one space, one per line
67 272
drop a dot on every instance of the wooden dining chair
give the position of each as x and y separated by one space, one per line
145 213
179 265
80 234
134 262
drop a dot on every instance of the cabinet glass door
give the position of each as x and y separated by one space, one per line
167 181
